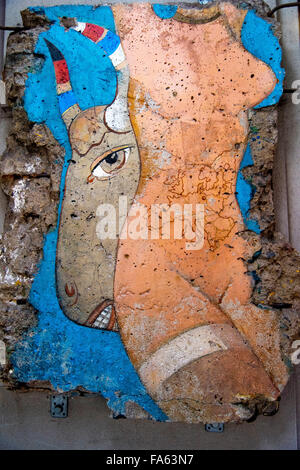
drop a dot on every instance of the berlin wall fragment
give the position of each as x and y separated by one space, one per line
139 258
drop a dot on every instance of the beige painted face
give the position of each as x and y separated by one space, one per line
104 166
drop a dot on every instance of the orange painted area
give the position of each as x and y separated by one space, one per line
192 85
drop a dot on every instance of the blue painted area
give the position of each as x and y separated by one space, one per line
58 350
245 192
110 42
66 100
164 11
259 39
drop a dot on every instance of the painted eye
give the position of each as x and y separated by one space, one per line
109 163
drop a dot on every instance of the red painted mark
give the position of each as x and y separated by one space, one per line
61 71
93 31
71 291
90 179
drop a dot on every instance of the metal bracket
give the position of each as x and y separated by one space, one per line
59 406
214 427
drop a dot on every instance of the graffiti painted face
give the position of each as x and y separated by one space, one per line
104 166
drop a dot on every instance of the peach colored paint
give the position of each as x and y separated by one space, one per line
191 88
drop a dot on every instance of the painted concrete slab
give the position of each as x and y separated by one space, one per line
214 339
83 412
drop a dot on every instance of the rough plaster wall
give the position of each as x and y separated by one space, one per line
287 169
30 169
275 264
5 117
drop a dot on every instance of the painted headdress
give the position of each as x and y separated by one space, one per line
68 105
116 113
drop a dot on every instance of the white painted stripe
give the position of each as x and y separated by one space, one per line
116 115
118 56
171 357
79 27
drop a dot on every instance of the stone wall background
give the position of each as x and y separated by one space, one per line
30 174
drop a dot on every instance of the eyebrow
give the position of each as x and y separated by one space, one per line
97 143
91 146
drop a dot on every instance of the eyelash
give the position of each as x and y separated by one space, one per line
101 173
